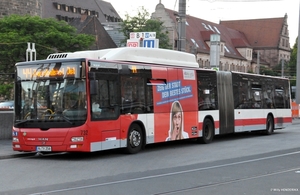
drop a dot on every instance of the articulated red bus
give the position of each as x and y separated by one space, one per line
130 97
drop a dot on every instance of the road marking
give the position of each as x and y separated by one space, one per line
187 171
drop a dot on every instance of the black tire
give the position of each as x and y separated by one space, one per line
269 126
134 139
208 132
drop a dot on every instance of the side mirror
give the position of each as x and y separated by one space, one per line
93 83
93 87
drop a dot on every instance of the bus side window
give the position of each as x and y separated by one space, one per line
104 103
279 99
133 95
207 98
267 100
126 94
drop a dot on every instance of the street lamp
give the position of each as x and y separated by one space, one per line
30 52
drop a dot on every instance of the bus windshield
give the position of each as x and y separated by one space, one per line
52 98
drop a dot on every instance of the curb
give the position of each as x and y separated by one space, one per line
9 156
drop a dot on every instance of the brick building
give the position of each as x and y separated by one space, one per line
241 40
71 11
269 37
21 7
60 9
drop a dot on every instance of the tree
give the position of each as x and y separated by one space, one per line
49 36
293 60
143 23
267 71
291 65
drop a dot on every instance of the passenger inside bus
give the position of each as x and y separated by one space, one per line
96 110
205 102
256 99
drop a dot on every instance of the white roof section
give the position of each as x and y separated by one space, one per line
135 54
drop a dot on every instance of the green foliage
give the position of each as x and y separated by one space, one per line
157 26
293 60
6 91
276 70
135 23
143 23
293 81
292 65
266 71
49 36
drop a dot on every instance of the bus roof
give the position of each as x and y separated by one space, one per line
135 54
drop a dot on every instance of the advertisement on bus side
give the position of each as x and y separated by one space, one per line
175 105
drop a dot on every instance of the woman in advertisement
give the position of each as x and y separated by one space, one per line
176 123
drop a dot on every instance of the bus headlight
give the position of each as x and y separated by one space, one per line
15 139
77 139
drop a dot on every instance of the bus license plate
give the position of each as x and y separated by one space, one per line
43 148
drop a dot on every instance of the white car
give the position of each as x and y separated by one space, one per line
8 105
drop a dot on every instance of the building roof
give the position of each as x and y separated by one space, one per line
92 26
259 32
198 32
114 30
104 10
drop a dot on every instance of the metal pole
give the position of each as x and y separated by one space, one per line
258 61
33 51
282 67
28 50
298 64
215 51
182 21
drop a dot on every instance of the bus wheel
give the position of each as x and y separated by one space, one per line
207 132
134 139
269 126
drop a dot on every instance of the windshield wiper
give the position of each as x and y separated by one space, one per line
60 114
66 119
24 121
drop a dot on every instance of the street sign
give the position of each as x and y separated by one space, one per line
133 43
143 39
151 43
144 35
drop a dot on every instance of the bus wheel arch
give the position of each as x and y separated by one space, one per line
208 131
135 138
269 125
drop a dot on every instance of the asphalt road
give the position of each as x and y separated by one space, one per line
244 163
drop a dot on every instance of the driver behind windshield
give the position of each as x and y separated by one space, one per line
27 108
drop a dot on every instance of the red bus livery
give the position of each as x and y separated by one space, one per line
130 97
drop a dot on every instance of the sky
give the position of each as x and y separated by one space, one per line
216 10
